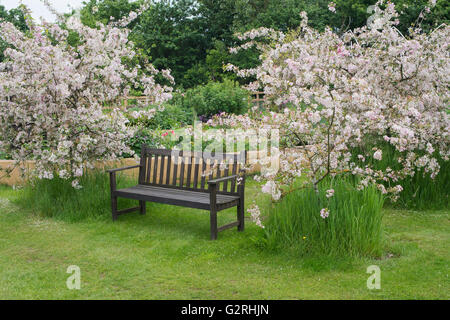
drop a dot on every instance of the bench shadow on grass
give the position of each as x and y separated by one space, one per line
177 221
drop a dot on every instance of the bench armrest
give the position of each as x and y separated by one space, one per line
219 180
124 168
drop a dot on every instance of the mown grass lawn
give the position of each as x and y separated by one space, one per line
167 255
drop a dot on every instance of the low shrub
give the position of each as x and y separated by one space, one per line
142 136
4 156
155 131
353 227
216 97
172 117
154 138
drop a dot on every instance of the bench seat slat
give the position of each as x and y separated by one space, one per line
193 199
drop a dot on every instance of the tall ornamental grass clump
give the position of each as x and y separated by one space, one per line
57 198
352 228
420 191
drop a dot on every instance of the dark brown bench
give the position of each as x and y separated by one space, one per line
208 181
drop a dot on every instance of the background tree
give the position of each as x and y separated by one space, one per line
16 17
354 14
52 95
103 10
172 34
192 37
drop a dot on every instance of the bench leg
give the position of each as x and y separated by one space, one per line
240 216
213 222
114 208
142 207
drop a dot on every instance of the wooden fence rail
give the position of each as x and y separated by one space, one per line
125 100
258 98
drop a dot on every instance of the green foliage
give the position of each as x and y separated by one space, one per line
215 60
420 192
212 69
411 10
105 10
423 193
16 17
220 17
171 33
354 13
58 199
199 74
192 37
281 15
4 156
154 138
140 137
216 97
353 227
350 14
171 117
156 132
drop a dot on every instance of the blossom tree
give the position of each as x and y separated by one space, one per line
52 94
339 93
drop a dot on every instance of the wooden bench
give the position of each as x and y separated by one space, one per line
208 181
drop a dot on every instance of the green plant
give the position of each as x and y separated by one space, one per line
171 117
154 138
58 199
156 131
353 227
4 156
217 97
140 137
420 192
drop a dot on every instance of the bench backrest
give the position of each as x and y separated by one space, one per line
189 170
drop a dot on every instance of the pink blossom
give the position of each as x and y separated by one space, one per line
255 215
378 155
330 193
332 7
341 51
324 213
